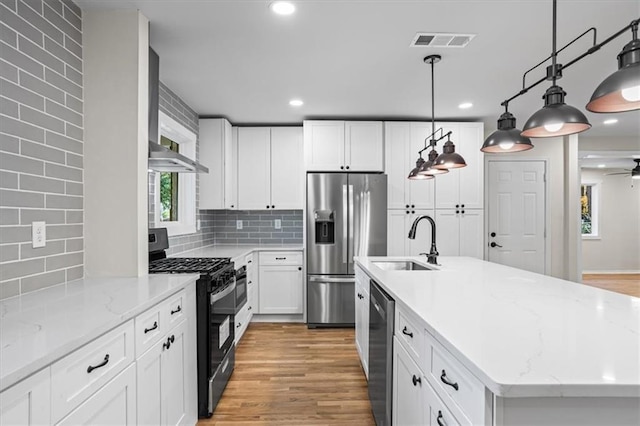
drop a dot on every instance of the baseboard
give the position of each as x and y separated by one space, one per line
277 318
626 271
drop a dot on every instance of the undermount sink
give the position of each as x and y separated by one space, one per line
401 265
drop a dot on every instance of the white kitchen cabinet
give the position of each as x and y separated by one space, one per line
219 153
460 232
27 402
280 283
354 146
408 394
362 318
113 404
270 171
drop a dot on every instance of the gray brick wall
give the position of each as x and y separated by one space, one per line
41 143
258 227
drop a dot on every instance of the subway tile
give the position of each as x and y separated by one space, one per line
64 261
74 48
40 22
18 24
36 183
34 4
63 25
75 273
271 241
55 5
74 7
15 234
11 4
64 142
8 71
63 202
39 54
9 252
62 54
11 198
9 217
74 103
8 107
75 216
72 188
42 152
22 61
63 113
52 247
22 95
63 83
41 87
41 119
8 35
74 244
56 232
52 217
72 18
291 241
74 131
40 281
9 289
63 172
21 268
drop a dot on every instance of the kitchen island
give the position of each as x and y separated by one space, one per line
541 350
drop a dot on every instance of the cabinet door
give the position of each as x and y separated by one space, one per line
230 138
408 400
360 324
254 174
27 402
280 290
113 404
149 392
324 145
252 300
448 184
420 191
472 176
363 146
212 184
472 233
287 175
397 231
422 242
173 377
397 160
448 223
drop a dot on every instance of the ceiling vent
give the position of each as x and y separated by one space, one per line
441 40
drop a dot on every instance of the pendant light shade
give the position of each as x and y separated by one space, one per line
621 90
507 138
635 172
449 159
413 175
427 168
556 118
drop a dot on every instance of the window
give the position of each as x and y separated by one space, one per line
175 197
589 198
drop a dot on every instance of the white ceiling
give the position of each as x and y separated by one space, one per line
351 58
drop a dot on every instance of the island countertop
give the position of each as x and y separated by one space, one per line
523 334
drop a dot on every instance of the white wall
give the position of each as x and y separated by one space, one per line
618 248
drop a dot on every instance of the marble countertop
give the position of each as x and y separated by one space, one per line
38 328
524 334
235 252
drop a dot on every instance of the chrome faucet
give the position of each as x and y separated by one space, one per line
432 257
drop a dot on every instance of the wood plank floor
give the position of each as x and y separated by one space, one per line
286 374
628 284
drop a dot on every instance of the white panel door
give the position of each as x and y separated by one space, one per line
254 174
409 406
280 290
448 235
397 142
324 145
397 231
363 146
421 191
516 210
28 402
448 184
174 377
472 233
422 242
287 175
470 139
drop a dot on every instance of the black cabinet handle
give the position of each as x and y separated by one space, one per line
172 338
457 206
249 261
413 212
299 268
273 207
457 211
231 205
493 244
407 211
250 307
360 296
267 206
446 381
238 325
102 364
347 167
155 325
439 419
413 206
341 167
167 344
178 309
406 332
407 206
281 258
462 211
462 205
416 380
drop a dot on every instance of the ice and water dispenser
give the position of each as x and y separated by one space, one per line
325 226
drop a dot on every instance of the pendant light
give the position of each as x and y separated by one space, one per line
621 90
556 118
428 168
413 175
449 159
635 172
507 138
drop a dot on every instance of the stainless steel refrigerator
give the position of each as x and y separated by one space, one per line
346 217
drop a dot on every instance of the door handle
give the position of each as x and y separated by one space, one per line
350 247
493 244
344 223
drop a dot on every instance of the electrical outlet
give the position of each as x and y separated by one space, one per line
38 234
238 224
278 223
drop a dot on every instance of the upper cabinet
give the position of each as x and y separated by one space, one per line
270 173
354 146
219 187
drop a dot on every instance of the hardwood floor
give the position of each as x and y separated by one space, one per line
620 283
286 374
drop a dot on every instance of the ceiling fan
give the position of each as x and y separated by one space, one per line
635 172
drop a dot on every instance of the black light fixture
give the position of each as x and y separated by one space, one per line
413 174
449 159
428 168
621 90
507 138
635 172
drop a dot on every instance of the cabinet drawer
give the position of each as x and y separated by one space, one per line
411 335
174 309
438 413
149 327
281 258
80 374
464 389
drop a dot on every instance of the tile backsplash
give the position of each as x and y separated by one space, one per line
258 227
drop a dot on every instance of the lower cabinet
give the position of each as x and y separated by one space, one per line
28 402
113 404
408 395
281 283
362 318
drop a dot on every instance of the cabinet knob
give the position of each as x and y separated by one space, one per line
457 211
407 211
416 380
462 211
273 207
347 167
413 206
407 206
412 211
341 167
232 206
299 268
267 206
457 206
462 205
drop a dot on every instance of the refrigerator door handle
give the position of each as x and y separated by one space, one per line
351 226
328 279
344 224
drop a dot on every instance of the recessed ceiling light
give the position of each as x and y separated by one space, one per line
611 121
282 7
602 166
296 102
465 105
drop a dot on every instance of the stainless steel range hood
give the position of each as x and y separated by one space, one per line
162 159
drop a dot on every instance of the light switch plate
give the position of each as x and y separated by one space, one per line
38 234
278 223
238 224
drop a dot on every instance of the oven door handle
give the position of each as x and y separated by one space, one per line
217 296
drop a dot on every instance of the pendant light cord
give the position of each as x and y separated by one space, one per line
433 102
554 54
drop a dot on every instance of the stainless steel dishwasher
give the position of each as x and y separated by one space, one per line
381 318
